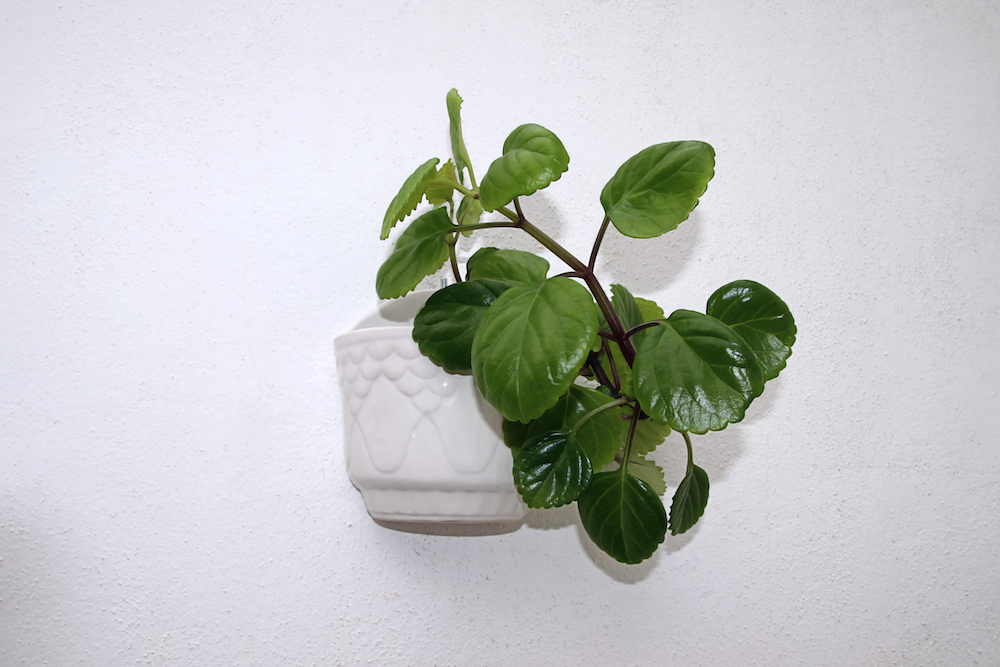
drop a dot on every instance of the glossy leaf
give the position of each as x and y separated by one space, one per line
646 470
446 325
623 516
550 470
761 318
531 345
695 373
532 158
420 251
458 149
512 266
409 195
656 189
441 188
689 501
600 438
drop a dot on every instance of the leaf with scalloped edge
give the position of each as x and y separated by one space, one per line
458 150
763 319
689 501
441 187
532 158
695 373
550 469
512 266
421 250
531 345
447 323
649 434
623 516
409 195
656 189
647 471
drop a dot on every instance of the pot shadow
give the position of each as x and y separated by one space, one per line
453 529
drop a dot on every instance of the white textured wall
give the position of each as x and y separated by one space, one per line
190 197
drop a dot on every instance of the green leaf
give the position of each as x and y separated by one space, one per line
628 311
531 346
446 325
512 266
550 470
656 189
649 434
458 149
623 516
761 318
420 251
441 187
409 195
690 501
647 471
600 438
532 158
695 373
469 212
650 311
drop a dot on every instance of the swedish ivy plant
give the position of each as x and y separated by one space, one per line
589 381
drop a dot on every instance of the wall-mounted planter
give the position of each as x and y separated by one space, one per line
420 443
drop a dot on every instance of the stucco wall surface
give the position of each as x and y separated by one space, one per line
190 199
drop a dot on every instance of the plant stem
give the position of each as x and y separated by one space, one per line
597 242
687 441
636 413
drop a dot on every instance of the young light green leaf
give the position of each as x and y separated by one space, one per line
446 325
649 434
649 310
600 438
512 266
409 195
531 345
623 516
656 189
420 251
458 149
532 158
441 187
469 212
689 501
647 471
761 318
695 373
550 470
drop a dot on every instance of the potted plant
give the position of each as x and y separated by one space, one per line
589 381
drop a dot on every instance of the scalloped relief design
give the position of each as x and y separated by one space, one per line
420 443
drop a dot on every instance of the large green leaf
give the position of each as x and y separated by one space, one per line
531 345
551 469
409 195
689 501
695 373
512 266
757 314
623 516
600 438
532 158
458 149
656 189
420 251
447 323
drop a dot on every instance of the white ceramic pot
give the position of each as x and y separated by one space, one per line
421 444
